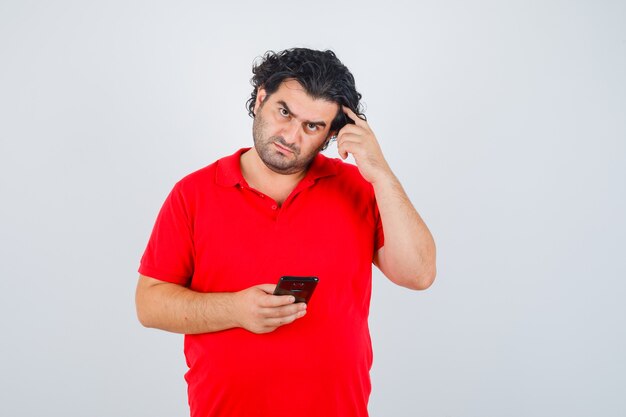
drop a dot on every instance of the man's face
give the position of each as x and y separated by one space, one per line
290 127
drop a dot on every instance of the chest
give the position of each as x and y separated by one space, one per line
253 240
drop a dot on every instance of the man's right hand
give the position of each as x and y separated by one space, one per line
259 311
175 308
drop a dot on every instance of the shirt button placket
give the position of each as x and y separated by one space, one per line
275 212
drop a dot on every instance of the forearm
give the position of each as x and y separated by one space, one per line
178 309
408 255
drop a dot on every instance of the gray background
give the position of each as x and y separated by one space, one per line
505 121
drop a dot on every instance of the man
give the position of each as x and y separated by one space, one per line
228 232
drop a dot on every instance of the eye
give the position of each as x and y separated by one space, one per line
312 127
283 112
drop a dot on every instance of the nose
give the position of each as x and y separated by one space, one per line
291 133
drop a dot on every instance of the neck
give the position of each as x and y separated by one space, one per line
260 177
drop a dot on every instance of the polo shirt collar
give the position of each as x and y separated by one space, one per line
229 169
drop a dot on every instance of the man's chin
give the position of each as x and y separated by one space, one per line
284 169
281 163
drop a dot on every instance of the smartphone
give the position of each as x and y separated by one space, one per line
300 287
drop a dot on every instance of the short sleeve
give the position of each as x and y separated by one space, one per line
169 255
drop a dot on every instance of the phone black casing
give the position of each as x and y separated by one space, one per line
300 287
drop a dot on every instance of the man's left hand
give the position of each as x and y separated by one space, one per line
359 140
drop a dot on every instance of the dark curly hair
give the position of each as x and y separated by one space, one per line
321 73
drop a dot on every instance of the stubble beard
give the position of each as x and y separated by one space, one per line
272 158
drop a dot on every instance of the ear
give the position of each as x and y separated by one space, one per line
330 135
261 95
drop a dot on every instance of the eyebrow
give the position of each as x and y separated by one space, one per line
282 103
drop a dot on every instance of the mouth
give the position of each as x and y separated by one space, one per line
282 149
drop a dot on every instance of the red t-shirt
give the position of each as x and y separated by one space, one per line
216 234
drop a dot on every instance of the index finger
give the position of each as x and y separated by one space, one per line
271 300
352 115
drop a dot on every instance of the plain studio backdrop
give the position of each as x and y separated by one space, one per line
505 121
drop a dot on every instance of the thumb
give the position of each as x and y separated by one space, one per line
267 288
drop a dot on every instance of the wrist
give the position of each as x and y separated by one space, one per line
385 179
233 301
